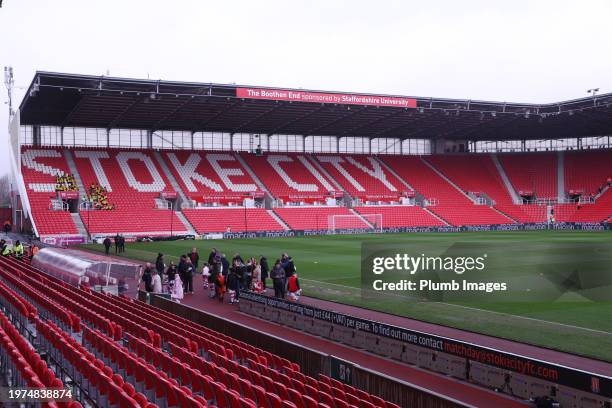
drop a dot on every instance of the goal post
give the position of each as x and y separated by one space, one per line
367 222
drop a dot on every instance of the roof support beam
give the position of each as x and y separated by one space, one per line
238 128
333 122
386 132
200 126
158 125
128 108
294 121
354 130
68 118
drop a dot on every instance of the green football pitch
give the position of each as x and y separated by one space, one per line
330 268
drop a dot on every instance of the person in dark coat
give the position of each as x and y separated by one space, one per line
121 243
195 258
288 265
233 285
278 279
182 268
225 264
171 271
147 278
107 244
237 257
265 269
159 264
117 243
212 255
188 285
215 271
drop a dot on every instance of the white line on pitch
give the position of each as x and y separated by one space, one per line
475 308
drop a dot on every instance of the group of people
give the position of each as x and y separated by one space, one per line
285 279
65 182
98 197
119 244
221 277
177 280
17 250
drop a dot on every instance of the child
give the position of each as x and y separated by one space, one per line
206 276
177 289
220 287
293 288
233 286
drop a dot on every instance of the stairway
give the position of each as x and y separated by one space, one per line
170 177
75 172
560 177
278 219
436 216
186 223
439 173
391 171
362 218
256 179
324 172
78 222
502 173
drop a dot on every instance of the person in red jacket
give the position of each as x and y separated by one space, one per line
293 288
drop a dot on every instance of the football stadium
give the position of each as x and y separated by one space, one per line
171 243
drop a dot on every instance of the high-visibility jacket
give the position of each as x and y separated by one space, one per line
18 249
6 251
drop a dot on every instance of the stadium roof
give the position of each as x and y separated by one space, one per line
68 100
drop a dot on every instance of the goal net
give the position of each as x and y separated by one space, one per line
367 222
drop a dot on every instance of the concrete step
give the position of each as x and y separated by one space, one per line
324 172
186 223
502 173
75 172
560 176
436 216
439 173
278 219
78 222
175 185
248 169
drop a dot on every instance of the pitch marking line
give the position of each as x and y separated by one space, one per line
352 288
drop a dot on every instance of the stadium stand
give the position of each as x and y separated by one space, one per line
402 216
226 219
532 172
363 177
451 204
587 171
477 174
201 368
207 177
599 211
219 181
318 217
133 181
39 168
290 177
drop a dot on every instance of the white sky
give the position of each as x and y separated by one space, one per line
521 51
